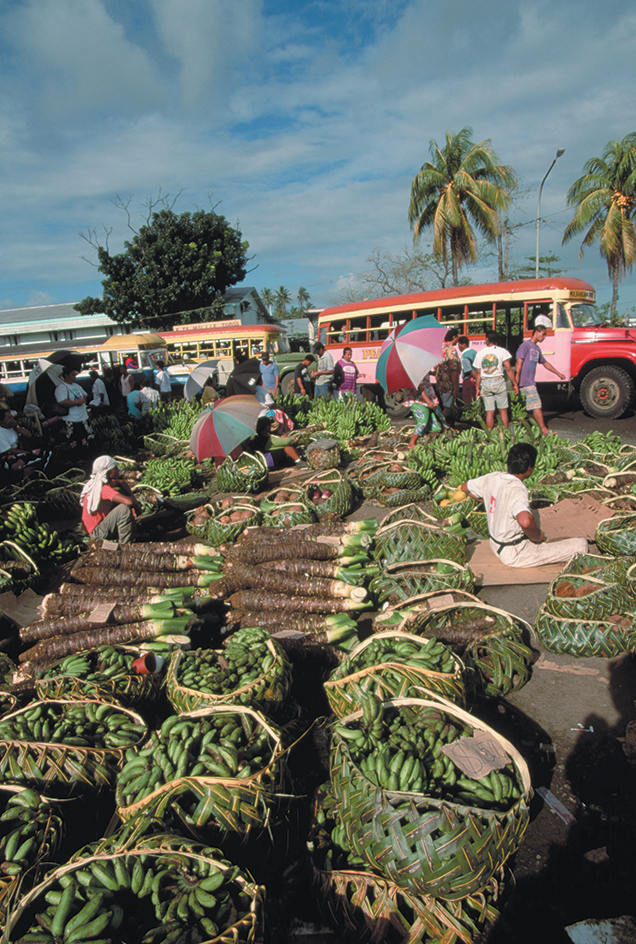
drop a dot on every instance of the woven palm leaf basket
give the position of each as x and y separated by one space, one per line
288 515
249 473
466 506
412 512
620 570
284 493
163 444
141 886
217 769
617 535
395 475
262 677
398 582
585 596
605 638
621 503
323 454
410 539
31 831
77 762
222 522
339 502
370 909
392 497
440 834
108 674
392 665
489 641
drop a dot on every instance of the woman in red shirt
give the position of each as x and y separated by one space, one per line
108 503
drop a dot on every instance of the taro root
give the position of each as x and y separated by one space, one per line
564 589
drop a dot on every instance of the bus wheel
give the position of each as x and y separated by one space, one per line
287 384
606 392
394 406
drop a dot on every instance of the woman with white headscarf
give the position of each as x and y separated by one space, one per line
108 503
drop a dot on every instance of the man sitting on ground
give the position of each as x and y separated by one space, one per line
108 503
514 534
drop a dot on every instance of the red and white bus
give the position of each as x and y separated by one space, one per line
597 360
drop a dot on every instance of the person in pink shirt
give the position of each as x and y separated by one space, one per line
346 373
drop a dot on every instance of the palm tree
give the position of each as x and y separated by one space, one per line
303 298
462 187
605 198
283 298
268 298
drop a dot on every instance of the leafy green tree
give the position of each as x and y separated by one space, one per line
176 268
605 197
302 296
461 189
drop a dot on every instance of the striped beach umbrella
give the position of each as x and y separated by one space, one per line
409 353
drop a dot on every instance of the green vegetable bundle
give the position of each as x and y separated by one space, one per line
218 768
105 672
67 746
394 665
399 793
183 891
348 418
19 525
251 670
30 833
173 477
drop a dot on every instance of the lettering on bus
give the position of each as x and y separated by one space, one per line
208 325
370 353
581 294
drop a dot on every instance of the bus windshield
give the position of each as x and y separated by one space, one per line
585 316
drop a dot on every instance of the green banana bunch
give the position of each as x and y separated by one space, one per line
400 750
188 897
95 666
418 652
21 526
28 830
75 724
218 673
170 476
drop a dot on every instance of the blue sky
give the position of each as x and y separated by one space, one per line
306 119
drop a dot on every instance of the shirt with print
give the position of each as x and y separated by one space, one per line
76 414
504 497
491 360
468 361
530 354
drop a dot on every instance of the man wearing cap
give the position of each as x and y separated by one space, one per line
269 373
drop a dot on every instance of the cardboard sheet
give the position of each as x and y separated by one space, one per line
22 610
569 518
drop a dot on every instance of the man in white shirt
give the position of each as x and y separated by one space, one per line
148 398
163 379
99 392
514 535
490 365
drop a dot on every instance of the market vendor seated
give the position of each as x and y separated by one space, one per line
15 455
270 445
108 503
515 536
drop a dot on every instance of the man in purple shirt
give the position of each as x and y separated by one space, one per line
528 356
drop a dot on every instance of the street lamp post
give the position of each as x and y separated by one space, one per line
558 155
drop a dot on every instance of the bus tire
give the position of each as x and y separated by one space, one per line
394 406
287 384
606 392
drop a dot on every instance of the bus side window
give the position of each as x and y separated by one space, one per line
322 335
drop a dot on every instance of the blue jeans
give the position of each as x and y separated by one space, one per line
322 390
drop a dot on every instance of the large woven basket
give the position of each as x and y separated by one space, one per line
606 638
128 688
163 444
398 582
620 570
617 535
391 678
413 512
621 503
478 521
323 454
498 661
404 479
408 540
585 596
37 821
180 864
370 909
59 768
426 845
444 511
268 691
389 497
216 804
340 502
289 514
248 474
219 532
